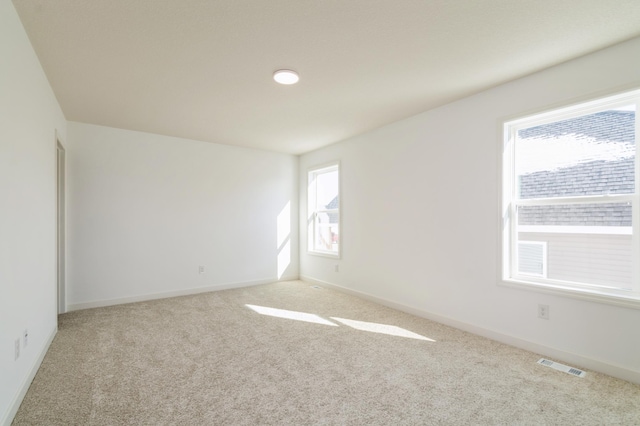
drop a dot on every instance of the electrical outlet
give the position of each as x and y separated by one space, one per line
25 338
201 269
543 311
17 349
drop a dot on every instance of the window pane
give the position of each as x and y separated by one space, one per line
586 243
327 235
324 203
592 154
327 190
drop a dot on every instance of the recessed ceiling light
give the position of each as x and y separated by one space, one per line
286 77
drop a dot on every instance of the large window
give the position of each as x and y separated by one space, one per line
570 200
324 210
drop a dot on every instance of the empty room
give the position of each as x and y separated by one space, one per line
219 212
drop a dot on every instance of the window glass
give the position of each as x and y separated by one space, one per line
324 209
592 154
570 198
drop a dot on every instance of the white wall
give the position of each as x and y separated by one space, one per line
420 218
29 118
145 211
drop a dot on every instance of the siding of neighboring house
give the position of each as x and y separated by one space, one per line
598 259
581 256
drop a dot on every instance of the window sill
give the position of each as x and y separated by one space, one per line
632 300
324 254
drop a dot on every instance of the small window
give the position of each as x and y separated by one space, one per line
570 199
324 210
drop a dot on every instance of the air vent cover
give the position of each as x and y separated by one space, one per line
561 367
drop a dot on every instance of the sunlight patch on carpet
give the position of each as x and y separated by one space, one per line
373 327
294 315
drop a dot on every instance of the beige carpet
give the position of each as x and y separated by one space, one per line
210 359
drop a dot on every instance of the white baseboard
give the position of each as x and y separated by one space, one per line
24 387
549 352
175 293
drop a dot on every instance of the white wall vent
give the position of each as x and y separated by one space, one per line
561 367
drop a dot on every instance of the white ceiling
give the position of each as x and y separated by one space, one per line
202 69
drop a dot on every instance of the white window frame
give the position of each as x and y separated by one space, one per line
312 213
510 203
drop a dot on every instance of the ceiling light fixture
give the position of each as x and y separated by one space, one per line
286 77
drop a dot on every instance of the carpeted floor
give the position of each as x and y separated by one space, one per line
299 355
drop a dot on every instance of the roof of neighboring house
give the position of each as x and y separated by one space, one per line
615 125
334 204
576 215
590 178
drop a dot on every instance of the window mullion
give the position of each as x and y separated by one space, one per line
513 225
595 199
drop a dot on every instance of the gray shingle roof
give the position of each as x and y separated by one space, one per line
589 178
606 125
592 178
576 215
333 204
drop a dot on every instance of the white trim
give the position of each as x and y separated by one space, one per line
61 225
635 212
311 216
579 199
617 91
549 352
630 300
323 254
175 293
588 105
325 167
26 383
553 229
510 201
